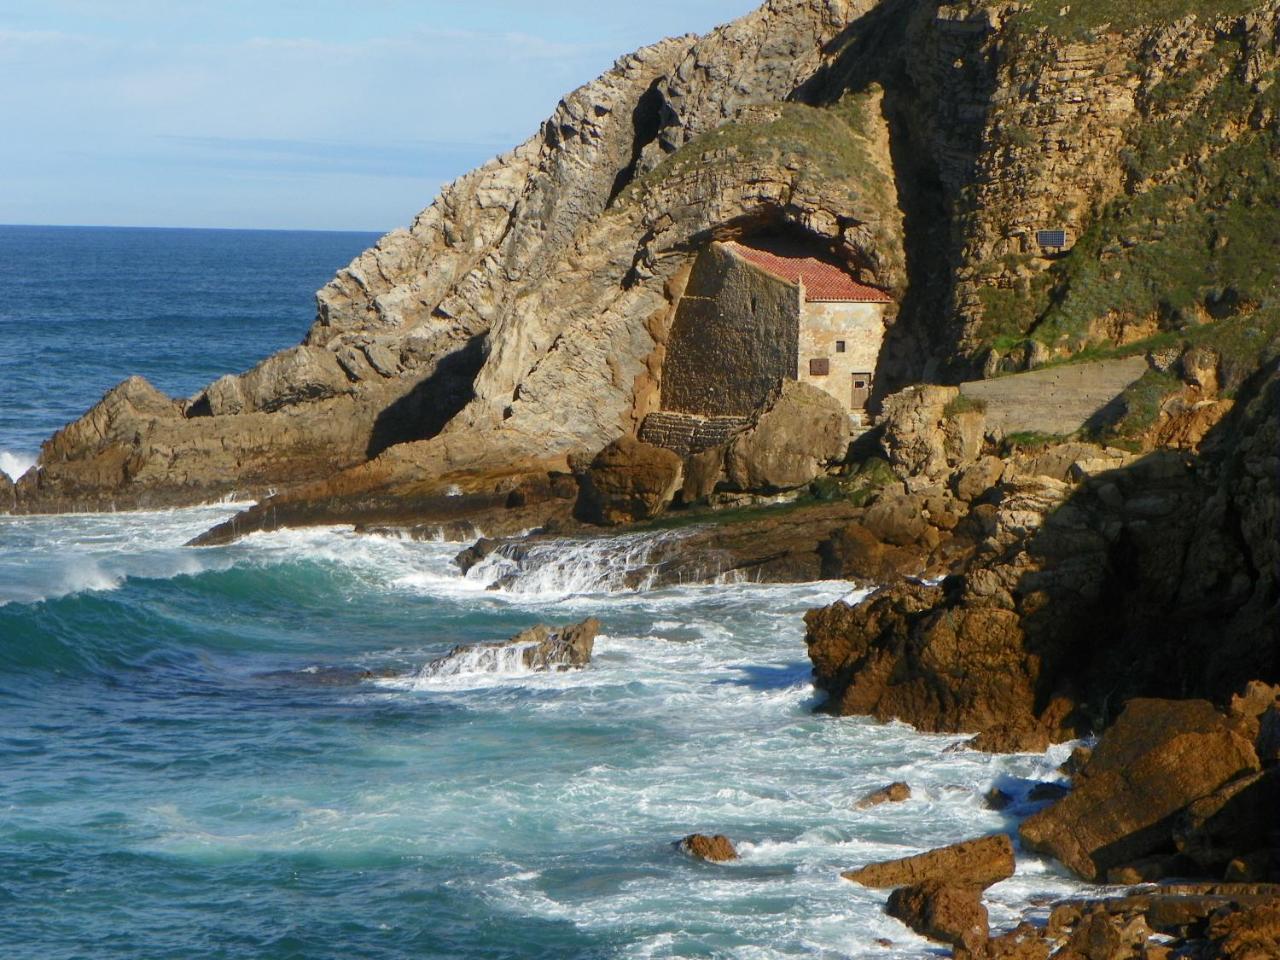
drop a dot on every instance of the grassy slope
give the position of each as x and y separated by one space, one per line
1191 251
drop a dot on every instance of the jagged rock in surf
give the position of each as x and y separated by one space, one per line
947 912
786 544
537 649
893 793
713 849
974 863
1152 785
6 493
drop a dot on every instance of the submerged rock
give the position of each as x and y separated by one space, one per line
973 863
539 648
893 793
716 849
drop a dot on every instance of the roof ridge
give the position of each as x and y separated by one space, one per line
823 282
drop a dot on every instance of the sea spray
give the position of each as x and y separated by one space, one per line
15 464
561 568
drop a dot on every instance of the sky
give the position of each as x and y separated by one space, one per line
288 114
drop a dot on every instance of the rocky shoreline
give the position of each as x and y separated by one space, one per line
1068 504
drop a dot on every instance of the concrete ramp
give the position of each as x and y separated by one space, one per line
1056 400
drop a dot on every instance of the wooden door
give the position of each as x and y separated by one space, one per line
861 391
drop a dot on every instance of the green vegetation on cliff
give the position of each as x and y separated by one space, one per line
1083 18
1187 255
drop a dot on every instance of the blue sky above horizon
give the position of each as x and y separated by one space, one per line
304 114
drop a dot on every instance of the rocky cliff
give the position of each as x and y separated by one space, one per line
523 316
1157 577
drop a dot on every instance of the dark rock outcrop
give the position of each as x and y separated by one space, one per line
974 863
713 849
945 912
1159 762
1159 578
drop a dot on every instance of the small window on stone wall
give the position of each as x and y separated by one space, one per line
819 368
839 346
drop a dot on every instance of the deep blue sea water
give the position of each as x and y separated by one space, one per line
181 776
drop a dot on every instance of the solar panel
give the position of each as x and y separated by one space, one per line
1051 238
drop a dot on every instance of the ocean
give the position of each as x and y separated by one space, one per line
191 764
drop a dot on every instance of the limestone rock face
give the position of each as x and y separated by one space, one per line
975 864
629 480
914 431
791 441
524 313
1159 759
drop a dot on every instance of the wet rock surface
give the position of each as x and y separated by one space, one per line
713 849
945 912
974 863
539 648
894 793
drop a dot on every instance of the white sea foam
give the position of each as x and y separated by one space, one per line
696 714
579 566
15 464
44 557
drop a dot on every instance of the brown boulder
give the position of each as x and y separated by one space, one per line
973 863
716 849
1252 933
943 912
703 472
6 493
1027 942
1234 822
791 442
629 480
893 793
1158 758
972 481
898 521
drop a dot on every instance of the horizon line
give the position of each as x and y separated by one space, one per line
128 226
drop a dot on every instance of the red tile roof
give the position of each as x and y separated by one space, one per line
822 281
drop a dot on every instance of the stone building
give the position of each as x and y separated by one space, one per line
753 315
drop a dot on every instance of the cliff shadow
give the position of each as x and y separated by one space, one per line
935 139
1161 578
424 411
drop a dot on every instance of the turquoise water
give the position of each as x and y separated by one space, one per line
191 764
